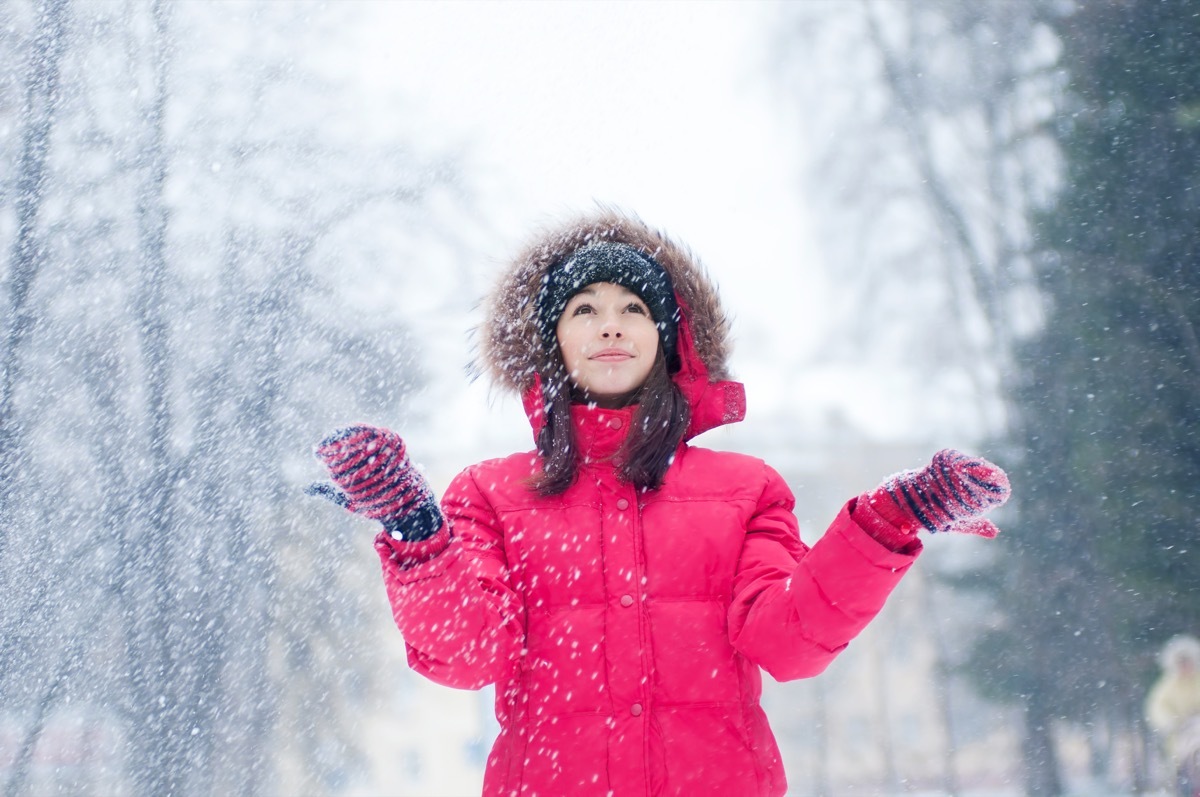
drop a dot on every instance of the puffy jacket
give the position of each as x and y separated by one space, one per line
625 630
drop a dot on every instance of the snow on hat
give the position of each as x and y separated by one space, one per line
621 265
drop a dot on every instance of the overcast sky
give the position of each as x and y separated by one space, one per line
662 108
667 109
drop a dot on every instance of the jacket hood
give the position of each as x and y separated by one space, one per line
511 351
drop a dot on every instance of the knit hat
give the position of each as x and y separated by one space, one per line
621 265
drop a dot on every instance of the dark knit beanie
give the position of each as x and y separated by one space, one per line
621 265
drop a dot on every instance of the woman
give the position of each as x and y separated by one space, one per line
621 587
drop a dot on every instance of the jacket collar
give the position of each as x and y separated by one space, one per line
599 433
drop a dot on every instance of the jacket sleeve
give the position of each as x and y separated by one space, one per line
462 624
795 608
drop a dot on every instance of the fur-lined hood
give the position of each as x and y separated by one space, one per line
510 346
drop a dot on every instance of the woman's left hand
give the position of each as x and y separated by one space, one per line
952 493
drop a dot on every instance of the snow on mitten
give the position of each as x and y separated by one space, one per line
376 479
952 493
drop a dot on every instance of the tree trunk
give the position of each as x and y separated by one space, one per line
23 761
161 735
822 785
28 252
887 748
1040 753
943 673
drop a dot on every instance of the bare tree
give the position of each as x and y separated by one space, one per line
932 145
933 149
28 254
165 540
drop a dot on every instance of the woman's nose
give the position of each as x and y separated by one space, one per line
611 328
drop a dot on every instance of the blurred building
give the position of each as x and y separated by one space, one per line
75 750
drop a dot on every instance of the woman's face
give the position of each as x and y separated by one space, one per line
608 341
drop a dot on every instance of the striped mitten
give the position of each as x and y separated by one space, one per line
374 478
951 494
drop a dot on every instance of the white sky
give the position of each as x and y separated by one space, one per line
667 109
661 108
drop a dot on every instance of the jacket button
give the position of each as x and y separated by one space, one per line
626 600
622 504
636 709
615 423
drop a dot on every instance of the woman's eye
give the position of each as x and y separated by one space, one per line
582 309
636 308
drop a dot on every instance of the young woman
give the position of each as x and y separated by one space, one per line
622 588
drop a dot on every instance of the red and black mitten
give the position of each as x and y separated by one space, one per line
951 494
376 479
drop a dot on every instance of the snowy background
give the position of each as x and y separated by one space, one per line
234 226
662 110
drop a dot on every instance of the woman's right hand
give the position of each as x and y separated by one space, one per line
374 478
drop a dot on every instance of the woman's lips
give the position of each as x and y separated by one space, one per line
611 355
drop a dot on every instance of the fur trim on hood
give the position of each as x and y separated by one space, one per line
510 346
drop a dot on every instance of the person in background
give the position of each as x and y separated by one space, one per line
623 588
1173 710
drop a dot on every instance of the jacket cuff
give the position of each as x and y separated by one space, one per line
410 554
892 533
419 522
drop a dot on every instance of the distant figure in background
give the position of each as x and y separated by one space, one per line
622 588
1173 710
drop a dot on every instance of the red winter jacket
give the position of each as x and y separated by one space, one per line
626 631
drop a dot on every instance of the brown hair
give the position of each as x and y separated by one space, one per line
659 423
